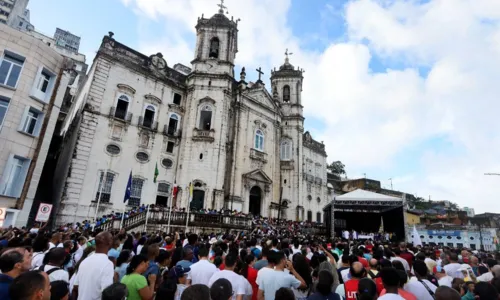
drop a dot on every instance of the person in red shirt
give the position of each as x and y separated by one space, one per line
408 256
361 259
351 286
250 274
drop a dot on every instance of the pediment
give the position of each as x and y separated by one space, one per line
258 175
207 100
153 98
262 97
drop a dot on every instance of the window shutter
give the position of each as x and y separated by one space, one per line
5 175
39 123
23 119
35 92
24 172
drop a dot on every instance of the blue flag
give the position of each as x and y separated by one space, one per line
129 188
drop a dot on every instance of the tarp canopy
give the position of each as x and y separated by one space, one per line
362 195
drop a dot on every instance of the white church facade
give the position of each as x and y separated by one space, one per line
241 145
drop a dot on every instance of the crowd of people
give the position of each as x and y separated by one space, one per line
76 263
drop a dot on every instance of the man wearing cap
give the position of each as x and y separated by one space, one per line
202 271
179 274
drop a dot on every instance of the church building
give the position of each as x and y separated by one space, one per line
242 146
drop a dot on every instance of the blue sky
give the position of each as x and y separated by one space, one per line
395 89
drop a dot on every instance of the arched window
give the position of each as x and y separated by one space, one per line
309 216
205 118
173 122
214 48
286 93
286 150
318 217
122 107
149 116
259 140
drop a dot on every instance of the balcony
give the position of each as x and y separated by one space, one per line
148 124
119 114
309 178
176 108
203 135
172 131
287 164
257 155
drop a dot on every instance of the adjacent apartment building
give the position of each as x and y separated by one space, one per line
15 14
33 81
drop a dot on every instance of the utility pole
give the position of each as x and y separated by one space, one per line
391 184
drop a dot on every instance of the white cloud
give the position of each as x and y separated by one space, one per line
370 117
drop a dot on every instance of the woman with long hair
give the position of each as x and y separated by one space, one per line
302 267
122 263
137 285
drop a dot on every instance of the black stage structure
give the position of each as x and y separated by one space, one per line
364 211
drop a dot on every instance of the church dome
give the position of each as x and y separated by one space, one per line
287 65
217 20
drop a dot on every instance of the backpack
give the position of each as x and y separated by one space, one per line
42 268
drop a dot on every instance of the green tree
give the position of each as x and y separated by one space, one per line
336 168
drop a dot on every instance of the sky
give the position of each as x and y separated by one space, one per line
401 89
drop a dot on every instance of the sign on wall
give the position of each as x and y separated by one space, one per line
3 212
43 213
444 232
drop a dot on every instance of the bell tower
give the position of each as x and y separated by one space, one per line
287 87
216 43
205 132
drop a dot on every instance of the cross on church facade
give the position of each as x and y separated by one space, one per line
286 53
259 70
221 6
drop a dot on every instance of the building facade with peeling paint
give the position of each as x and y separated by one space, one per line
242 146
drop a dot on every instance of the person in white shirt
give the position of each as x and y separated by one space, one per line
271 281
397 252
201 271
82 244
55 240
422 288
239 283
354 235
53 268
488 276
443 278
96 272
346 235
453 268
391 281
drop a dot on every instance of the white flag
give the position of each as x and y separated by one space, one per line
416 237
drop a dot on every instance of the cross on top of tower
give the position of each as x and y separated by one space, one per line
286 53
221 7
259 70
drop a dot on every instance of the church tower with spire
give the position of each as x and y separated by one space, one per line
286 84
207 114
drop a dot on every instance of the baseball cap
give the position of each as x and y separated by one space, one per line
221 289
178 271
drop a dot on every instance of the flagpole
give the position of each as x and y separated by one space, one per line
170 208
104 179
123 217
188 207
146 224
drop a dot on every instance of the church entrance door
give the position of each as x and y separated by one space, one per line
255 201
198 199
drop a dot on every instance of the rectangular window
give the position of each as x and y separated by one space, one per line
177 99
44 82
31 121
105 194
170 147
318 217
10 68
309 216
4 105
14 175
136 192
